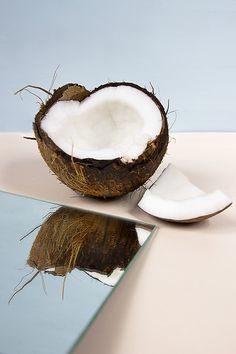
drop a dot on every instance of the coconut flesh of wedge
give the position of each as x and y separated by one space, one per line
174 198
103 143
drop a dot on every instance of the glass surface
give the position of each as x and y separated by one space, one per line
57 276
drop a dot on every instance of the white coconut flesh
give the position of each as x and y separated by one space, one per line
173 197
142 234
110 280
113 122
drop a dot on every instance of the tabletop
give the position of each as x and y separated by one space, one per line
179 296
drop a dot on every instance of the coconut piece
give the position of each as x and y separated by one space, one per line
111 279
142 233
174 198
94 243
103 143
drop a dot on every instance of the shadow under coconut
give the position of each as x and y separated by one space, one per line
100 245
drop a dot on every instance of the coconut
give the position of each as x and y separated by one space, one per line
103 143
173 197
100 245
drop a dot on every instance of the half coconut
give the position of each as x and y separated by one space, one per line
103 143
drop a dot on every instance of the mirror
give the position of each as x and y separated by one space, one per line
57 267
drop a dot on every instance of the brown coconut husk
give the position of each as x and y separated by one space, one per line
71 238
99 178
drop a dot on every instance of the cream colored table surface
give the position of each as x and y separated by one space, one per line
180 295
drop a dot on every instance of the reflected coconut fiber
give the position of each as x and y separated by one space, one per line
79 252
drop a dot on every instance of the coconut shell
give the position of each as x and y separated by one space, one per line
71 238
99 178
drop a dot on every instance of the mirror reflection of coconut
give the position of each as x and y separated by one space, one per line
104 143
100 245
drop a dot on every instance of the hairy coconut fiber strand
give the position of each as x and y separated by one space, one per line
71 238
100 178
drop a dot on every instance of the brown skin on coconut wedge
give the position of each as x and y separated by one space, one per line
99 178
197 219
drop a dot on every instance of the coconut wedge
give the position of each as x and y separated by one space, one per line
103 143
174 198
111 279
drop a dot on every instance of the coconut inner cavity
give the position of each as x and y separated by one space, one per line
113 122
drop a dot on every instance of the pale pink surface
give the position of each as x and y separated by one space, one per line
179 297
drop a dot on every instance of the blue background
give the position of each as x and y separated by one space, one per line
186 49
